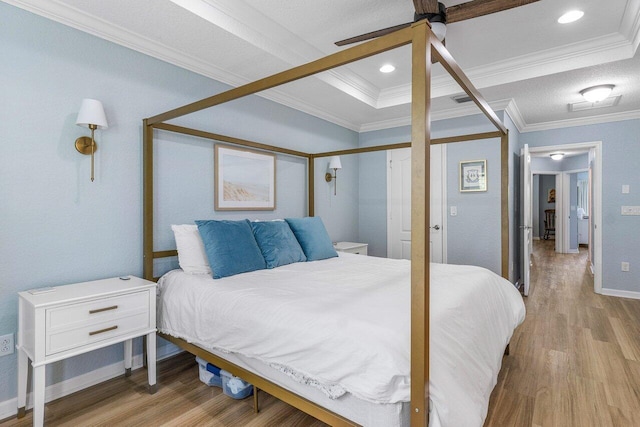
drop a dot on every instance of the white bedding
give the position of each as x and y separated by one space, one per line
343 325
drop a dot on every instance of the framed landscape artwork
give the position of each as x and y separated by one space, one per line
244 179
473 175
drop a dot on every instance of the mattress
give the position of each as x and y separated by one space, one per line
342 327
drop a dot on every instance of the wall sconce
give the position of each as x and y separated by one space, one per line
334 164
91 115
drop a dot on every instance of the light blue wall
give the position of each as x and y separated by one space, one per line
620 154
58 227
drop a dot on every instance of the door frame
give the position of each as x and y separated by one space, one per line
596 224
443 180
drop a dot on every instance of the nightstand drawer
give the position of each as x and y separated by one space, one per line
73 338
98 311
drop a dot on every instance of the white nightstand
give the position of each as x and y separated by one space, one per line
351 247
64 321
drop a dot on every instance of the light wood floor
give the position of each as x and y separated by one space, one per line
575 361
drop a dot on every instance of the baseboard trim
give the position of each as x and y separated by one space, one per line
9 408
620 293
573 251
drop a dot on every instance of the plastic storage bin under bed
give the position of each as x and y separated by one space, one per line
232 386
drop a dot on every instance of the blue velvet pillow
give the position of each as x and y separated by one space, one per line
230 247
277 243
313 237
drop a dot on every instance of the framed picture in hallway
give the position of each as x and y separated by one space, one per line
551 197
473 175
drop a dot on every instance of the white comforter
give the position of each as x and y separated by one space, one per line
343 325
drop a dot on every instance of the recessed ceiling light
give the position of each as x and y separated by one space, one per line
597 93
387 68
571 16
557 156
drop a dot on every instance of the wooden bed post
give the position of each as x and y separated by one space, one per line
420 171
147 190
504 197
311 179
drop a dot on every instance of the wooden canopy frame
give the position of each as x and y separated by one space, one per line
425 46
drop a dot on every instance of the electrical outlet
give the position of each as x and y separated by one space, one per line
6 344
625 266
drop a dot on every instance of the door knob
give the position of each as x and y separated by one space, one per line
436 227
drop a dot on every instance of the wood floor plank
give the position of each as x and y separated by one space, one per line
579 349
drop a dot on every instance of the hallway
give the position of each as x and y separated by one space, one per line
575 361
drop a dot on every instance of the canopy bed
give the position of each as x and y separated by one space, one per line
425 46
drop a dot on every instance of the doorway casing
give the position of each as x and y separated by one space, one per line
594 147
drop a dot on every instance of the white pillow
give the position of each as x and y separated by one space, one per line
191 255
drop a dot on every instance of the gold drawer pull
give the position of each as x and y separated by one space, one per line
100 310
101 331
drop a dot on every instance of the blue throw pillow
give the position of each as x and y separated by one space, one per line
313 237
277 243
230 247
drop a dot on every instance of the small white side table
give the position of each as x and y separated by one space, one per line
352 247
65 321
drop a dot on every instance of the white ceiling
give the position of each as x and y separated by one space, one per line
521 59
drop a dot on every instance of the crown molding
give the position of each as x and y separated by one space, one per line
630 25
451 113
51 9
582 121
514 113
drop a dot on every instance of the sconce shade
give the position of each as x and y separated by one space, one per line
92 113
335 163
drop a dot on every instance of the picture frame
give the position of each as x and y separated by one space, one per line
473 176
244 179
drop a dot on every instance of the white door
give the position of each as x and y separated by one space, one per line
399 204
527 226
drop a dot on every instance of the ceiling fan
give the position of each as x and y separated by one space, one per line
439 15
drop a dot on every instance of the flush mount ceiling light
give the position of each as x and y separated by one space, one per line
597 93
571 16
557 156
387 68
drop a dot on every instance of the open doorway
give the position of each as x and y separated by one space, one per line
573 186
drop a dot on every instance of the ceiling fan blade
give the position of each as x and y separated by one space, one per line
425 6
475 8
373 34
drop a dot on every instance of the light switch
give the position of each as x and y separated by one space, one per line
625 189
454 210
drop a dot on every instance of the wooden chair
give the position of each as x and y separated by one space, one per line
549 223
